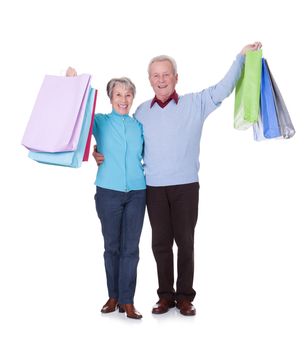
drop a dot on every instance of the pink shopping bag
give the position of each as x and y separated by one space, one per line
87 149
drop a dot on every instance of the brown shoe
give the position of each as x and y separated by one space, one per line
163 306
186 308
110 306
130 311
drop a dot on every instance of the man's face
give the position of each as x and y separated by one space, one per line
162 79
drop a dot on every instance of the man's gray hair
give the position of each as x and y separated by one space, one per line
129 85
164 58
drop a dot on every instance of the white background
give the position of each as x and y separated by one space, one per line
251 239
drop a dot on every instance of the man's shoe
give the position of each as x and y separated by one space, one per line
130 311
163 306
110 306
186 308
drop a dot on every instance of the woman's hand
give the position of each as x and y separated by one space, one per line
71 72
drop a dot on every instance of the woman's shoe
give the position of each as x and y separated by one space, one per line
130 310
110 306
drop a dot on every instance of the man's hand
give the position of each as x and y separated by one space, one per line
99 158
251 47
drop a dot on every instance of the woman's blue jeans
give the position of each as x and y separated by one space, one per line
121 215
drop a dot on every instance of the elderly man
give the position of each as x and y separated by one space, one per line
172 127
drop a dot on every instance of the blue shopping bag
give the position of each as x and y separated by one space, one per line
269 117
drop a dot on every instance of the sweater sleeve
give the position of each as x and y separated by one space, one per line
225 87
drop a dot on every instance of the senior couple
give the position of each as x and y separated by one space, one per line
152 159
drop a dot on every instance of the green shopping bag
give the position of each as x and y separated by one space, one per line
247 92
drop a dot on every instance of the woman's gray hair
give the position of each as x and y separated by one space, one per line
164 58
129 85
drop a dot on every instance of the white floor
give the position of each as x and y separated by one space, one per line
251 285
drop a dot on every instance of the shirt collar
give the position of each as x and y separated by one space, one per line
114 113
174 96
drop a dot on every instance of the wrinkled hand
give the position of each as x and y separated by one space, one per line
99 158
71 72
251 47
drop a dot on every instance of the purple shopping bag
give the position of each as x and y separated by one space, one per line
56 119
71 158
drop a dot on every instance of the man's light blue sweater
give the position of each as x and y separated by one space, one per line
172 134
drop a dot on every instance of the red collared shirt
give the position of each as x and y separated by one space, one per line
174 96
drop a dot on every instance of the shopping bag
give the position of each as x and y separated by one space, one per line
257 128
88 144
71 158
284 120
56 120
267 104
247 92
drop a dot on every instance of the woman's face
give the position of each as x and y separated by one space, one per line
122 99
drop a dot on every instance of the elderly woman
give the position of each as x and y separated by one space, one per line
120 194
